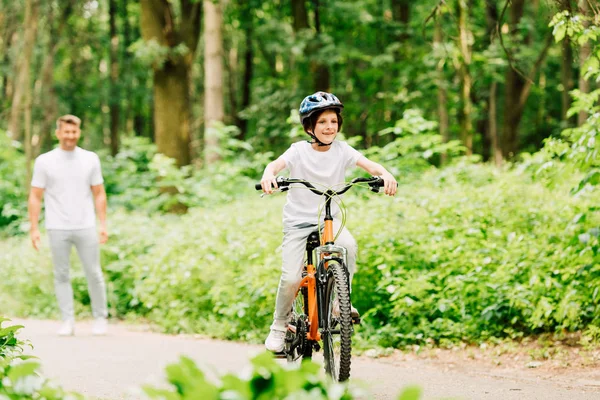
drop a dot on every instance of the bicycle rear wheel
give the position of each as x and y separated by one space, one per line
337 334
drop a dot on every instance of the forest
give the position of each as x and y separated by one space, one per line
486 112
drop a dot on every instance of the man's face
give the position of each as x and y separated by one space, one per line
68 135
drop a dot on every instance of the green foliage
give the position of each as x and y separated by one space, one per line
467 253
138 178
417 145
13 204
267 379
20 376
576 150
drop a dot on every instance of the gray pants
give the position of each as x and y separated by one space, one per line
86 243
293 250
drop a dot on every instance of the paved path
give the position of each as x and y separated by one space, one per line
112 367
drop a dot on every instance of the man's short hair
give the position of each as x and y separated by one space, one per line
69 119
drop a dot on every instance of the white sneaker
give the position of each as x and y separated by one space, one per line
100 327
66 329
275 341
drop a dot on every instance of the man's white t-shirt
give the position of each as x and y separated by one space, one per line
324 169
67 177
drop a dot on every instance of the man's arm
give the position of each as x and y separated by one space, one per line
34 206
100 203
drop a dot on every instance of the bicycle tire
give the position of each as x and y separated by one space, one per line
337 334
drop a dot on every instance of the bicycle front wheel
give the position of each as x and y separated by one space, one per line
297 345
337 334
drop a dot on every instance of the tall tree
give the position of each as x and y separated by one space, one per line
465 38
178 39
491 12
214 112
584 54
566 67
114 93
442 94
401 14
517 84
49 102
22 88
318 68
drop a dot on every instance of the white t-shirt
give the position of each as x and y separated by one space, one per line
67 177
324 170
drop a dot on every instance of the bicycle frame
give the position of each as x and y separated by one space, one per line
316 278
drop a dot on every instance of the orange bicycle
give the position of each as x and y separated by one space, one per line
321 311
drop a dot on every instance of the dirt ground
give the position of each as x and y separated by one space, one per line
566 361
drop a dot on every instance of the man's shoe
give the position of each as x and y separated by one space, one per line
100 327
66 329
275 341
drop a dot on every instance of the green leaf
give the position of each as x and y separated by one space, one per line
410 393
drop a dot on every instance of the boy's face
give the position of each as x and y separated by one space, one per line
326 128
68 134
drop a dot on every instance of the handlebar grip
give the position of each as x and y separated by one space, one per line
258 186
378 183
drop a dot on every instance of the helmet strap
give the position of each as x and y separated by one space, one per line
317 141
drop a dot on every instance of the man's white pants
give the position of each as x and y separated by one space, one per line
86 243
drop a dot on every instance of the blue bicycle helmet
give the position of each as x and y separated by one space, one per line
318 101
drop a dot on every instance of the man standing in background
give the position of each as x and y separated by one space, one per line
69 179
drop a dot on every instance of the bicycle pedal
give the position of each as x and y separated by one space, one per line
281 354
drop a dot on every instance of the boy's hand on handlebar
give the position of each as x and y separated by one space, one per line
268 182
390 185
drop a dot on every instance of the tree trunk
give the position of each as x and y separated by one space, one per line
23 83
493 125
319 71
514 87
401 13
48 100
442 95
491 128
584 54
172 112
247 79
213 79
114 92
566 71
465 76
299 15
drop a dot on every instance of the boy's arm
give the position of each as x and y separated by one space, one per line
375 169
268 180
34 206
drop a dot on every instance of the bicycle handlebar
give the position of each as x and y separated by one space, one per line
374 182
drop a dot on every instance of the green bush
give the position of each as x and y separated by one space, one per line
267 380
13 204
467 253
20 377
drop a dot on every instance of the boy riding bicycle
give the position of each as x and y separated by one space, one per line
322 161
